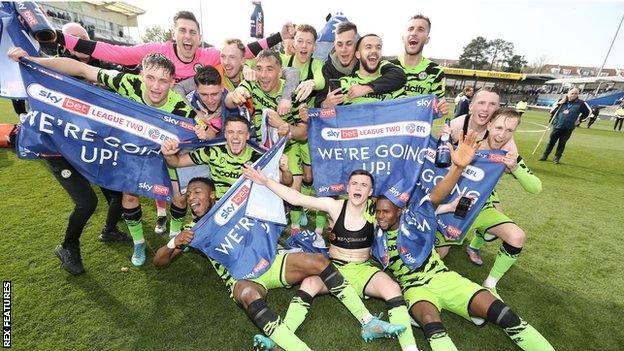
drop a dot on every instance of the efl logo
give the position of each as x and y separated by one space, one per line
241 195
261 264
496 158
160 190
336 187
403 250
29 16
453 232
153 133
348 133
186 125
327 112
75 105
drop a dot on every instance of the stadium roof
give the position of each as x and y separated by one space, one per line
582 80
119 7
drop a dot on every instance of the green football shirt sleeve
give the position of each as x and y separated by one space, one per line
526 178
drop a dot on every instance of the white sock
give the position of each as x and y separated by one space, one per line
490 282
161 208
367 319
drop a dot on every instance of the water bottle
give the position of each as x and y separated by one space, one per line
443 154
257 21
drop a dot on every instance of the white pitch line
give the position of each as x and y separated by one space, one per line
534 131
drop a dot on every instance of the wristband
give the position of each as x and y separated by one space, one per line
171 244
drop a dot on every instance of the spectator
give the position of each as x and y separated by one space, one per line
464 102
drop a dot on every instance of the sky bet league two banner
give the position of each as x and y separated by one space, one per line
241 229
388 139
112 141
477 181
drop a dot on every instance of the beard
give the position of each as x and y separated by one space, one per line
369 69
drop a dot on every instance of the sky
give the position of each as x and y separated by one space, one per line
566 33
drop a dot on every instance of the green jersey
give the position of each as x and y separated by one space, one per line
347 81
225 168
132 87
406 277
425 78
312 69
262 100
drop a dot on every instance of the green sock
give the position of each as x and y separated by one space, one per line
400 315
136 230
345 292
297 310
175 226
527 338
477 241
442 342
295 216
504 260
306 189
321 219
286 339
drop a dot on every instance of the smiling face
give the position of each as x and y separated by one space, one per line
482 106
236 136
344 44
187 38
200 197
158 81
268 71
232 60
387 214
416 36
501 130
360 187
369 53
304 46
573 94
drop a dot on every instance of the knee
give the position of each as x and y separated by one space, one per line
245 294
502 315
517 237
442 251
317 262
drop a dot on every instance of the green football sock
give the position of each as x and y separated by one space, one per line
306 189
442 342
287 339
175 226
399 315
136 230
297 310
340 288
295 216
506 257
528 338
321 220
477 241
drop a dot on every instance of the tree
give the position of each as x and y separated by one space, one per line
475 54
156 34
515 64
499 51
537 66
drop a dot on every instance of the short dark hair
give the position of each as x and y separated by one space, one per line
506 112
268 53
187 15
207 75
345 27
357 46
365 173
307 28
204 180
235 118
422 17
158 60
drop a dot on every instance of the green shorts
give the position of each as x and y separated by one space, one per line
275 277
294 160
304 153
488 218
357 274
447 290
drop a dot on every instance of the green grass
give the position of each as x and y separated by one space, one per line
567 283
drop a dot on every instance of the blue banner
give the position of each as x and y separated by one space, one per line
112 141
416 232
242 228
13 33
477 182
388 139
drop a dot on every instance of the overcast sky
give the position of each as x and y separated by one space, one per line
567 33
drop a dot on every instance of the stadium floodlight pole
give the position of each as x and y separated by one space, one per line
201 22
611 46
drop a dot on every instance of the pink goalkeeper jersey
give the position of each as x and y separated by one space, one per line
133 55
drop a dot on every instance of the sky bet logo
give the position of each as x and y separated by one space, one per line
233 204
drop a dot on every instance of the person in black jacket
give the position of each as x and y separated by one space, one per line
565 116
342 62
